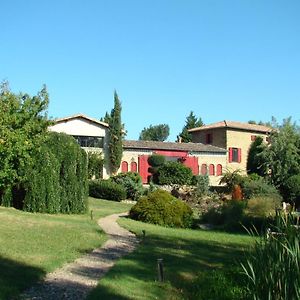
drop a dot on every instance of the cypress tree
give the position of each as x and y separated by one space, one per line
115 136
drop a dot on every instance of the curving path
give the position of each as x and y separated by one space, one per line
75 280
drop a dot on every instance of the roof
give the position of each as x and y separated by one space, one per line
171 146
81 116
235 125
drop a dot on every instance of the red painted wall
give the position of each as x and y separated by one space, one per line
143 168
172 153
192 163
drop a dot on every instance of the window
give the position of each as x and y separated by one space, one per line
89 141
204 169
208 138
219 170
211 170
235 155
133 166
124 167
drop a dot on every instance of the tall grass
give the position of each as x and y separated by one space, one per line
273 268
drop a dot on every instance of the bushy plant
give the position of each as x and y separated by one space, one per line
95 165
254 188
161 208
132 182
202 184
106 189
272 269
262 206
232 178
292 189
156 160
174 173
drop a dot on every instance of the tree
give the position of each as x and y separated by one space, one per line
106 118
282 156
155 133
191 122
23 127
115 135
254 162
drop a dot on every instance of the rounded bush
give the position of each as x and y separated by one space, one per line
132 182
262 206
106 189
292 188
174 173
161 208
156 160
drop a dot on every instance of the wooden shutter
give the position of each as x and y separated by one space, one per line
239 155
230 154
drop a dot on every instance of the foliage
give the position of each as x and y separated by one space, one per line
202 184
161 208
259 187
282 157
132 182
262 206
232 178
254 162
158 132
237 193
279 276
57 181
155 161
95 165
292 189
107 189
174 173
23 126
115 135
190 122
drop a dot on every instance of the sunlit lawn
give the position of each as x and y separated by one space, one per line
33 244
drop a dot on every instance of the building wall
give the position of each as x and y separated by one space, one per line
218 137
83 127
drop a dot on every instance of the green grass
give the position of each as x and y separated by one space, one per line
32 245
198 265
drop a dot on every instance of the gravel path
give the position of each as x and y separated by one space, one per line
75 280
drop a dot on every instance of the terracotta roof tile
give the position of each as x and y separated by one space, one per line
236 125
154 145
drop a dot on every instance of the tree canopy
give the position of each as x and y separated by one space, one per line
254 162
191 122
158 132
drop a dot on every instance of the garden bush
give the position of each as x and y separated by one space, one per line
155 161
95 165
107 189
132 182
292 189
161 208
262 206
202 184
253 188
174 173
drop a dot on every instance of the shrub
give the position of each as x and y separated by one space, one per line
95 165
156 160
292 189
253 188
174 173
262 206
272 269
231 179
202 184
132 182
106 189
161 208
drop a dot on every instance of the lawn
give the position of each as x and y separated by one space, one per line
32 245
197 264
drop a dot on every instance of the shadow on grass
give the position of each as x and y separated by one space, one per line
189 264
16 277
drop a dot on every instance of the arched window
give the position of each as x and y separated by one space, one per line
133 166
211 170
124 166
204 169
219 170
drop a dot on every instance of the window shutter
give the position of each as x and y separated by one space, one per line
230 155
239 155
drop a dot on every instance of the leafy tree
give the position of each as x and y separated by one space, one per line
254 162
282 157
115 134
155 133
23 124
106 118
191 122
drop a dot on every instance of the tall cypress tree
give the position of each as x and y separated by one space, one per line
115 140
191 122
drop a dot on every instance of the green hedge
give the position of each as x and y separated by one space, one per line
57 182
106 189
174 173
161 208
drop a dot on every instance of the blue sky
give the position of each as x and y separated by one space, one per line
222 59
